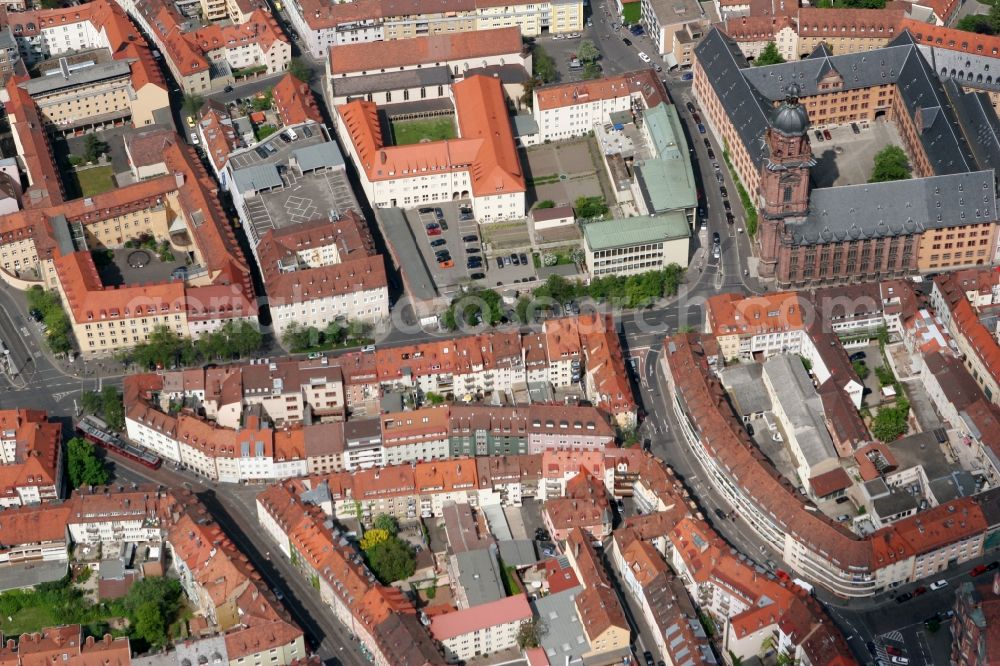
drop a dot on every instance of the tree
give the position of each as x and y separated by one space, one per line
152 605
298 68
334 333
530 633
374 537
391 560
590 207
91 403
192 103
546 203
112 407
93 148
769 56
591 70
82 464
976 23
861 369
891 422
587 52
543 67
891 163
388 523
298 337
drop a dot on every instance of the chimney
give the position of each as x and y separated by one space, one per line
179 178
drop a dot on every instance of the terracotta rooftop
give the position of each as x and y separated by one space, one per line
424 50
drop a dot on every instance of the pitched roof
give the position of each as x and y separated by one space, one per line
423 50
477 618
642 82
294 101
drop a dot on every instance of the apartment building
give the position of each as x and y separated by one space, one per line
323 271
382 618
324 26
35 533
203 59
420 435
674 28
584 505
973 627
31 462
767 325
483 629
568 110
67 645
598 607
960 299
118 80
481 165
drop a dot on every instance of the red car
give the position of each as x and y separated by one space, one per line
893 650
977 571
436 231
920 590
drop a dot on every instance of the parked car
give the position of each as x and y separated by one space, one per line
695 117
937 585
228 89
648 656
858 356
434 231
716 238
471 249
724 192
728 206
628 42
687 76
478 276
439 214
438 242
514 259
711 156
843 518
893 650
701 128
426 210
470 238
643 57
826 135
690 107
920 591
720 514
903 598
444 225
524 259
431 225
855 128
819 135
499 262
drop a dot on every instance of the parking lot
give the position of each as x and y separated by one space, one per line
446 235
847 158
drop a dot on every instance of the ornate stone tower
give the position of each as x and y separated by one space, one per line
784 180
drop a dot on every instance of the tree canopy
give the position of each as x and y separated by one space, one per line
391 560
891 163
891 422
298 68
590 207
234 339
984 24
58 329
83 466
769 56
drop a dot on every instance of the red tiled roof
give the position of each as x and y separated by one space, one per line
477 618
425 50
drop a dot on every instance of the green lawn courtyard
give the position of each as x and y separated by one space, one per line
95 180
406 132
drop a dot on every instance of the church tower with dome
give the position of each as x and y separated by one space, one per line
784 179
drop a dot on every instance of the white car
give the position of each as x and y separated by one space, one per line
194 138
939 584
643 57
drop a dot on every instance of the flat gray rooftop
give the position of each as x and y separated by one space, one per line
23 576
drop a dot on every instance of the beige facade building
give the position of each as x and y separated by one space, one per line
636 245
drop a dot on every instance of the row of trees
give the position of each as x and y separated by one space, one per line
633 291
59 331
482 306
299 338
106 405
166 347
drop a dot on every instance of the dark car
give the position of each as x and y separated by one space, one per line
426 210
285 137
695 117
438 213
524 259
478 276
471 265
827 136
472 249
260 151
36 314
724 192
855 128
893 650
727 205
442 255
858 356
708 144
903 598
701 128
711 154
992 565
431 225
716 238
690 107
444 225
870 646
628 42
720 514
499 262
515 260
438 242
648 656
750 430
227 89
729 218
920 590
471 238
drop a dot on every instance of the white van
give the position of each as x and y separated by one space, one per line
291 133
